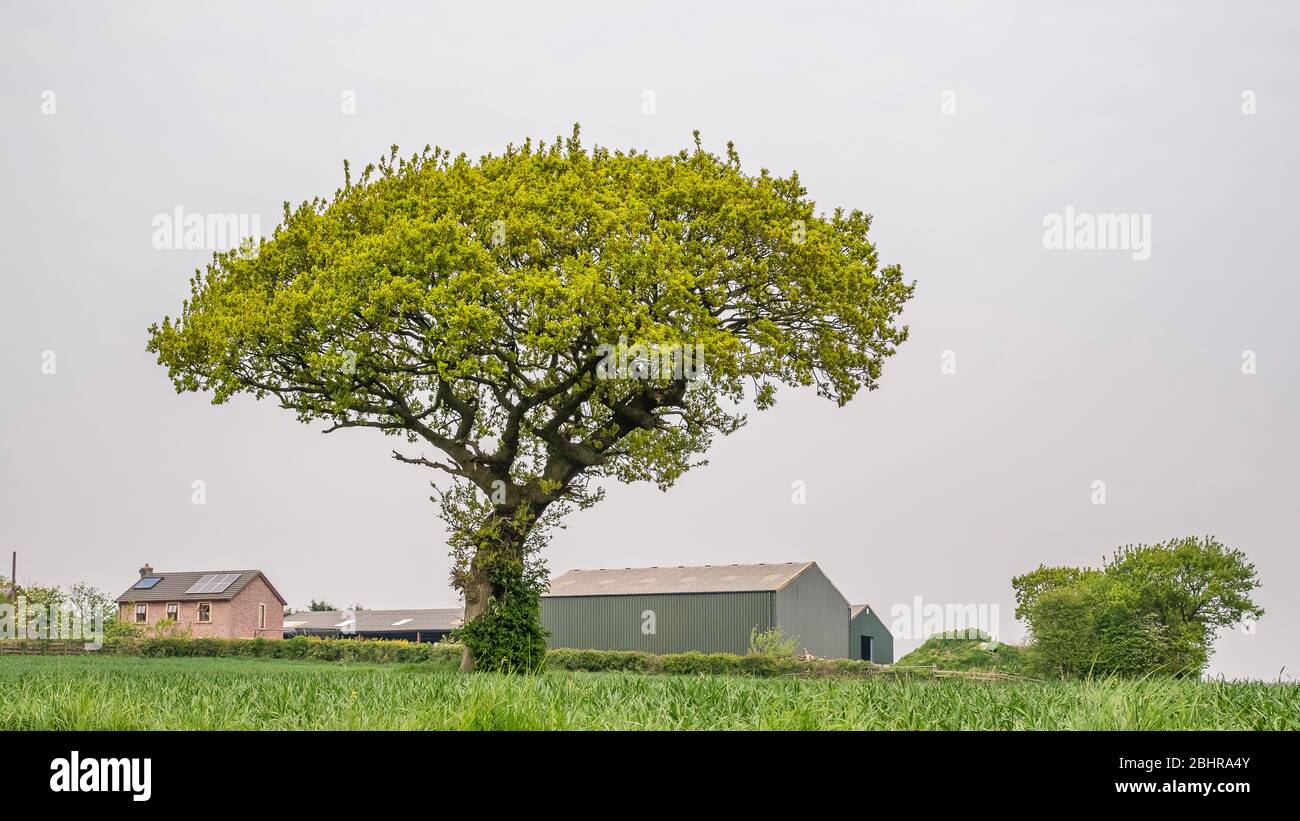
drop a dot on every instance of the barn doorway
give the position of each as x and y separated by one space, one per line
866 648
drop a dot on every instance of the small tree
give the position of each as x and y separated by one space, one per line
43 597
772 642
537 322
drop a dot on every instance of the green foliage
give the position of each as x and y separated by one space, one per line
321 606
954 651
1189 581
117 628
44 597
1032 584
473 308
508 635
87 601
83 601
298 647
772 642
1150 609
446 654
716 664
1096 626
167 628
596 661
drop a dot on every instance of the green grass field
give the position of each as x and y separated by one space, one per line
119 693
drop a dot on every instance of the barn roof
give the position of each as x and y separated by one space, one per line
172 586
855 609
377 621
709 578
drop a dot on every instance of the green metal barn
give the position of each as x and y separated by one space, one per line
869 638
710 609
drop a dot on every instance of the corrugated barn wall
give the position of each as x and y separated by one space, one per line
810 608
867 623
659 622
799 600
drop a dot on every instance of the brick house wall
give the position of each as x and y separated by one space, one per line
243 614
234 619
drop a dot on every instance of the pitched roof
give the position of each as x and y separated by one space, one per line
378 621
172 587
709 578
855 609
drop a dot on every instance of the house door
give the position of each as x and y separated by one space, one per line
866 648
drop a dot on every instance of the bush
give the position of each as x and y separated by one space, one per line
598 661
772 643
1149 609
377 651
1097 626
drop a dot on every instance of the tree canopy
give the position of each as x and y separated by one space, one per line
533 322
1150 608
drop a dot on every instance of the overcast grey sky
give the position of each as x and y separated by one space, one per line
960 126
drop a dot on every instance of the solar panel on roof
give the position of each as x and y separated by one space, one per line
213 583
225 581
146 583
201 586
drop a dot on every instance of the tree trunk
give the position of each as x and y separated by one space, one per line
479 590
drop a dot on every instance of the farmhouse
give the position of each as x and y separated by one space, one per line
869 638
228 604
407 625
710 609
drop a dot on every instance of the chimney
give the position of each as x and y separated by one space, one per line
147 570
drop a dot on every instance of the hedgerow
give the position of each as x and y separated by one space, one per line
379 651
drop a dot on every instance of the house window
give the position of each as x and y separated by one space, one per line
205 612
142 612
173 611
261 617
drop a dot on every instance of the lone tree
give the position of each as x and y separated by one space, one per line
534 323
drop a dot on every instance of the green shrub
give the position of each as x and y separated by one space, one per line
1149 609
945 652
772 643
1097 626
597 661
754 664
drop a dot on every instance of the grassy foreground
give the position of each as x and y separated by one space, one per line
119 693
